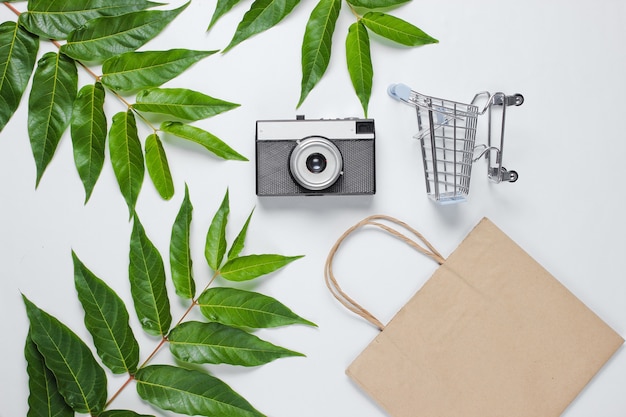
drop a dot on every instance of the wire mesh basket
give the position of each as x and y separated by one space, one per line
447 135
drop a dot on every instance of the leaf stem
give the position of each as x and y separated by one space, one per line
156 350
13 9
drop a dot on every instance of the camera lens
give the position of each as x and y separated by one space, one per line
316 163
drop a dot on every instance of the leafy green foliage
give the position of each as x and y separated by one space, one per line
18 52
215 246
56 19
221 8
89 132
263 14
107 32
64 376
316 45
197 342
158 167
80 380
245 268
181 103
147 283
241 308
190 392
181 263
107 320
44 399
50 106
108 36
360 62
319 32
132 71
127 156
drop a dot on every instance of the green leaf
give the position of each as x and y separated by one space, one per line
89 131
132 71
56 19
263 15
316 45
396 29
80 379
182 103
108 36
190 392
44 399
215 246
240 240
147 283
18 54
180 250
106 319
216 343
121 413
210 142
245 268
221 8
158 168
240 308
376 4
126 157
359 62
50 106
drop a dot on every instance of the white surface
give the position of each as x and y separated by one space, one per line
566 210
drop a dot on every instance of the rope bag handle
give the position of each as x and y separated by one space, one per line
418 242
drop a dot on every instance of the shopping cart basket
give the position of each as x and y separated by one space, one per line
447 134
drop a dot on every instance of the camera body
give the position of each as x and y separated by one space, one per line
315 157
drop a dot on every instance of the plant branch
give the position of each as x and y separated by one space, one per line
13 9
156 350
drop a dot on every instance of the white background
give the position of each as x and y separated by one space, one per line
567 209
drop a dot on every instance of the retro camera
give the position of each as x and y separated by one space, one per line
315 157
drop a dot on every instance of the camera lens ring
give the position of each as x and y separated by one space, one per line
300 161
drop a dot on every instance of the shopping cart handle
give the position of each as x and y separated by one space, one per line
399 91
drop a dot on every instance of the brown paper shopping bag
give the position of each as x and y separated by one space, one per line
490 334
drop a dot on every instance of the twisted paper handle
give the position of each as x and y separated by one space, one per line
424 248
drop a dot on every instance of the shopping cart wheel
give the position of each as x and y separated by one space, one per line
510 176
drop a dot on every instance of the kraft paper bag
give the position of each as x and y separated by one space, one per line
490 334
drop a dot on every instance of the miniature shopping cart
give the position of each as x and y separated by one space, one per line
447 134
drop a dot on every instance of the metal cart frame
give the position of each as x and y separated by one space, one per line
447 135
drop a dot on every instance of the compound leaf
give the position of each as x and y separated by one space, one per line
221 8
158 167
44 399
106 319
245 268
18 54
215 343
209 141
180 251
132 71
376 4
190 392
147 283
263 15
181 103
240 240
215 246
108 36
56 19
316 45
89 131
240 308
396 29
126 157
81 381
50 106
359 62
